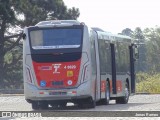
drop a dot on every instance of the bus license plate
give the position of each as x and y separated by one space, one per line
57 93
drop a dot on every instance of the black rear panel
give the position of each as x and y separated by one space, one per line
132 69
65 57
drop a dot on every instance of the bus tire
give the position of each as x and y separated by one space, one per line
87 103
54 105
92 104
35 105
63 104
44 105
124 99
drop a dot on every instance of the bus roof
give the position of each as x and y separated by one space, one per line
58 22
113 37
101 34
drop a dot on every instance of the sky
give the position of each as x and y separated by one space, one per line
115 15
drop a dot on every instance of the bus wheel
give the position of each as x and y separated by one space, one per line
87 103
92 103
39 105
35 106
124 99
54 105
63 104
43 105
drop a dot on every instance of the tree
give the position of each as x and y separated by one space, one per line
138 34
152 36
7 41
127 32
14 15
141 63
34 11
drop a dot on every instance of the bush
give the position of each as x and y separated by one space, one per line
148 83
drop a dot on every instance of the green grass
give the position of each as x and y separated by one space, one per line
147 83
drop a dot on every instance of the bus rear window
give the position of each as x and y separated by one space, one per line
56 38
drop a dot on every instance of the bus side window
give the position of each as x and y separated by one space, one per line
93 52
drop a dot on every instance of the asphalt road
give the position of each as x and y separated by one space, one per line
136 103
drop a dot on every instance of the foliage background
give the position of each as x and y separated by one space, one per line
148 64
14 16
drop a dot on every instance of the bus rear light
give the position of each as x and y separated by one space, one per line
74 92
41 92
29 77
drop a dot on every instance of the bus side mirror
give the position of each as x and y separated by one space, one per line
136 52
24 36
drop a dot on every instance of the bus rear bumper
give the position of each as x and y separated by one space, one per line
32 93
67 99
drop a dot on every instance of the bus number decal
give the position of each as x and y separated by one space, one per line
70 67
